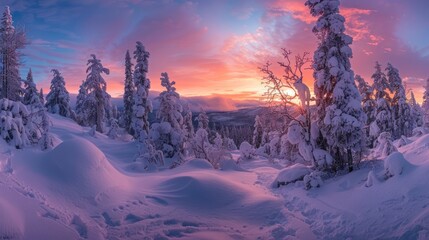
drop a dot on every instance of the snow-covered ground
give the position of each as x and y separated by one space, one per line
88 188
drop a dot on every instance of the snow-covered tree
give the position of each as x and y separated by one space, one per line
11 40
46 140
257 132
170 113
338 101
80 108
383 118
30 91
203 120
114 128
148 155
142 104
401 110
188 125
58 99
425 104
129 90
14 119
416 112
42 96
97 100
368 105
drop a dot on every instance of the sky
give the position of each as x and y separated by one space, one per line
212 48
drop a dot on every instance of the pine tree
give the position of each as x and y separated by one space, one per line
42 96
368 105
338 101
203 120
258 132
58 99
11 40
30 91
401 110
383 117
81 111
142 104
416 112
148 155
96 95
425 104
187 122
171 119
129 90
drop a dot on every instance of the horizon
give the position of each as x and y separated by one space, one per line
212 50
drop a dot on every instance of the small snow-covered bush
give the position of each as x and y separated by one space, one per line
395 164
291 174
246 150
114 128
229 144
419 131
313 180
322 158
371 179
384 146
15 125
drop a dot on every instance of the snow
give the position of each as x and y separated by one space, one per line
291 174
84 188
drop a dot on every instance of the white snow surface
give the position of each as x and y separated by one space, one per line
85 188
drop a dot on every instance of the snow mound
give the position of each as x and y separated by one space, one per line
229 165
12 226
213 194
291 174
198 164
395 164
80 165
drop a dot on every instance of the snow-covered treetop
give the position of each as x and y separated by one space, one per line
141 56
165 82
7 22
322 7
380 82
94 70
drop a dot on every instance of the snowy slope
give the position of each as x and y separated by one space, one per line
87 188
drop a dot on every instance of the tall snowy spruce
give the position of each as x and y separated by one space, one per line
80 108
58 99
30 90
401 110
257 132
148 156
96 103
368 105
128 94
416 112
425 104
383 113
338 101
168 135
203 120
11 40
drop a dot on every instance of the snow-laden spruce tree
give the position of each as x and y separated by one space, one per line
257 132
169 139
383 114
128 94
338 101
425 104
11 40
416 112
368 105
97 107
188 125
58 99
42 96
142 104
203 120
30 90
401 110
80 109
148 155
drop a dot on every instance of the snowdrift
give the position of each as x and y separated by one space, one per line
208 192
79 165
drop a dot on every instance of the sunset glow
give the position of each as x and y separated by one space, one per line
212 47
